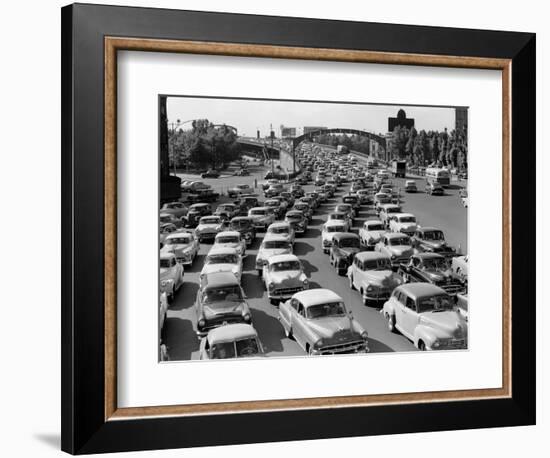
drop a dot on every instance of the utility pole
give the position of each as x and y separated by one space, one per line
271 152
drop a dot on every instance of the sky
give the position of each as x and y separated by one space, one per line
249 115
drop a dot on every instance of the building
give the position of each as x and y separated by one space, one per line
288 132
400 120
461 119
308 129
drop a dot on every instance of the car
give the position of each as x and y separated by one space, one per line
283 201
371 233
330 228
305 209
354 201
223 259
178 209
287 197
282 228
210 173
296 190
283 276
397 246
209 226
403 222
237 340
341 216
184 245
165 230
426 315
371 274
163 312
274 190
231 239
385 210
220 301
271 245
297 220
242 173
459 267
261 217
202 195
170 218
196 212
246 202
275 207
239 189
365 196
410 186
431 240
430 268
227 211
171 275
463 193
319 181
244 225
318 321
433 188
381 198
347 209
345 246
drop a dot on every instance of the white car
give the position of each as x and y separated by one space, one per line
283 276
230 239
371 274
223 259
208 227
239 190
261 217
271 245
184 245
171 275
282 228
331 227
371 233
163 309
386 210
403 222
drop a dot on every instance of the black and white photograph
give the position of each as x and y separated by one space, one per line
293 228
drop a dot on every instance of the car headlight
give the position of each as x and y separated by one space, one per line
393 256
201 323
436 344
246 317
271 285
319 343
247 236
364 335
167 282
370 288
305 282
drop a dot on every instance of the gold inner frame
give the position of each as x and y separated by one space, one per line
114 44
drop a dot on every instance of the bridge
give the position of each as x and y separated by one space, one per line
310 136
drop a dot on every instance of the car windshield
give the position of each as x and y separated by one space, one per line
239 349
399 241
375 227
350 199
336 216
279 230
393 210
377 264
228 239
326 310
222 294
294 217
274 244
335 229
343 208
172 206
226 258
407 219
180 240
241 224
437 303
433 235
226 208
223 350
272 203
436 264
349 243
258 212
210 220
285 265
165 263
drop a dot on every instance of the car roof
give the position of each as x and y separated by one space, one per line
216 279
334 222
222 250
200 204
395 235
345 235
420 290
275 237
372 221
282 258
429 229
390 206
370 255
398 215
279 224
218 217
231 332
241 218
228 234
317 296
259 208
175 235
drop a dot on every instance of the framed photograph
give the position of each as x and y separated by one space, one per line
285 229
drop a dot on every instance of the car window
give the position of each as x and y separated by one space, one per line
294 304
301 309
223 350
410 304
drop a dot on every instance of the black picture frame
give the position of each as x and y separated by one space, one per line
84 428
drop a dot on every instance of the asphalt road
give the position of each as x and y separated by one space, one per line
445 212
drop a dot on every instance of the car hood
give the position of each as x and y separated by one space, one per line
385 278
210 268
223 308
374 236
400 250
264 254
328 327
287 278
449 323
165 273
434 244
176 248
349 252
437 275
406 226
208 227
258 217
236 245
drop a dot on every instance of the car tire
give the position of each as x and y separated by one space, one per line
421 345
259 272
351 285
391 322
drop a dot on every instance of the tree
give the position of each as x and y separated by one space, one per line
399 142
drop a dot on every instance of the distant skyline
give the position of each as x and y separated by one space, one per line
249 115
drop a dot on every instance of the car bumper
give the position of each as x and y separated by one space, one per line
284 294
342 349
207 236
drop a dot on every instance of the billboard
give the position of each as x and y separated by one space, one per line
287 132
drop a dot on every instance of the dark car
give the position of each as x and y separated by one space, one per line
305 209
298 221
245 226
203 195
246 202
430 268
345 246
434 188
353 200
196 212
431 240
211 173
